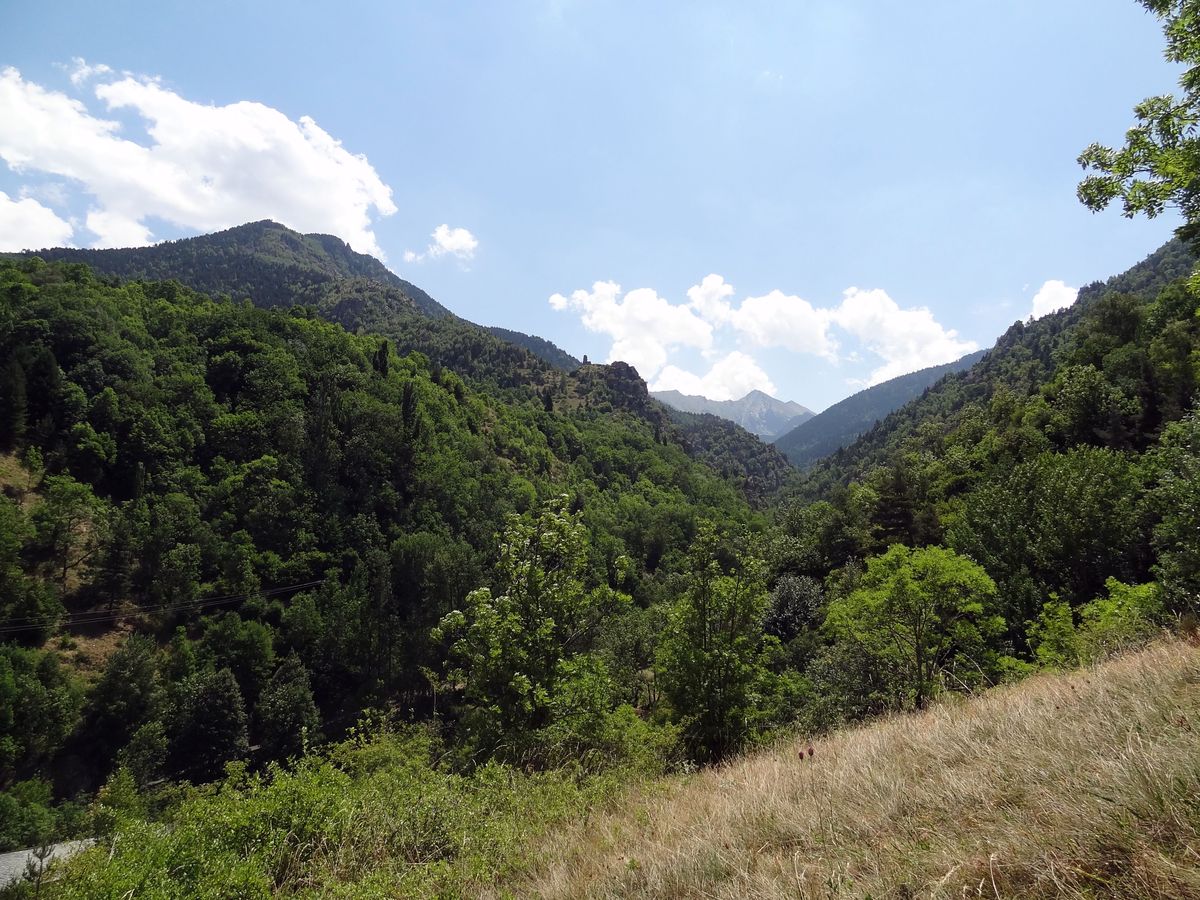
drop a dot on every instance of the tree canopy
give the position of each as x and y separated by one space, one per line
1159 165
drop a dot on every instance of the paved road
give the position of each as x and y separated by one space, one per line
12 865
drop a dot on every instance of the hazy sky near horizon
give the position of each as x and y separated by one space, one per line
803 198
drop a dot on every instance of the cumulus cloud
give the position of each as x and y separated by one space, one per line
783 320
204 167
456 242
80 71
906 339
730 378
643 326
645 329
710 299
1051 297
27 225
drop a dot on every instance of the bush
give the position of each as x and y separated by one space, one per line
375 816
1128 617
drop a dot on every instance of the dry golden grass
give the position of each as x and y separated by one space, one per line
88 654
1078 785
17 481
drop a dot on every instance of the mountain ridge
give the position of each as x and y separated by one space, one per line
757 412
840 424
288 264
1018 362
273 265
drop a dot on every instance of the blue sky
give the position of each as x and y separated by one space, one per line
801 197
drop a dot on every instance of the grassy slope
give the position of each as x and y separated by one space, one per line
1079 785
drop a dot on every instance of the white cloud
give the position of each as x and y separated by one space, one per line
27 225
731 378
646 328
1052 296
457 242
710 299
116 229
643 326
782 320
81 71
204 167
907 339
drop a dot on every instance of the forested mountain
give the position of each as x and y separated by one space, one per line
267 264
271 265
1064 463
226 527
1024 360
758 413
264 262
311 588
540 347
226 533
838 426
758 468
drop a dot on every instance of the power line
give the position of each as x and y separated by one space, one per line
23 623
191 605
36 619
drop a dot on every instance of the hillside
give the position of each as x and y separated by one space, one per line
236 526
275 267
1024 361
541 347
838 426
1082 784
261 261
1076 784
759 469
311 588
271 266
759 413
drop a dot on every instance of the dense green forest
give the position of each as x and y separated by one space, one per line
270 266
230 533
760 470
539 347
1023 361
838 426
309 587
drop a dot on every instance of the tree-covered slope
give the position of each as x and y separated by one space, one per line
271 265
540 347
1064 464
242 526
838 426
260 261
1023 361
761 470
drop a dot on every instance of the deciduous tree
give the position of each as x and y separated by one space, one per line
1159 165
921 609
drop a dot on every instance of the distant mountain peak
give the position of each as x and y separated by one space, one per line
758 412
